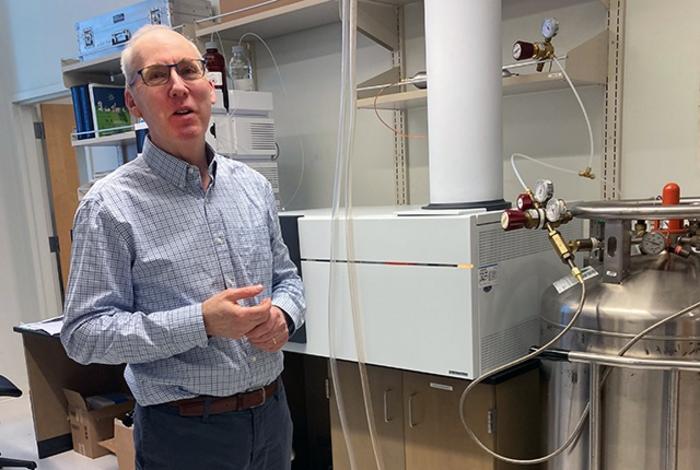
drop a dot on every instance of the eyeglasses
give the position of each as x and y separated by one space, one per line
159 74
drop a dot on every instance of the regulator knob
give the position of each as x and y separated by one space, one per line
513 219
523 50
524 202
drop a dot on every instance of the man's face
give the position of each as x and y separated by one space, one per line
178 112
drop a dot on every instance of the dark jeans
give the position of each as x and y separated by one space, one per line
255 439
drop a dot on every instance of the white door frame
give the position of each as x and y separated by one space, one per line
31 163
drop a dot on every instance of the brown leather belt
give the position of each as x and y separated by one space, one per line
199 406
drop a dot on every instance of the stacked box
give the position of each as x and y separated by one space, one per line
89 426
108 33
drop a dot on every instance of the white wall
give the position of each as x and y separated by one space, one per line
18 298
546 125
307 118
42 32
661 99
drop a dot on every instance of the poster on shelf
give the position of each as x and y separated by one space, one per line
109 112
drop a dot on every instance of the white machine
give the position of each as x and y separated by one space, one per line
447 293
247 132
442 290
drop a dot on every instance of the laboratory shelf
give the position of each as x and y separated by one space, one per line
586 65
105 69
107 141
374 20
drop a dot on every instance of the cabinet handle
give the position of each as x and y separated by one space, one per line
411 424
387 418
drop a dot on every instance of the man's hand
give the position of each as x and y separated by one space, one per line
271 335
224 317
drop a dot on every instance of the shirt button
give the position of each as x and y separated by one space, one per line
253 358
219 240
190 170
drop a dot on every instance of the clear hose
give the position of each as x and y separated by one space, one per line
342 195
283 204
586 171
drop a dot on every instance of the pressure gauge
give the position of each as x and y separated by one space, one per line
556 209
544 189
550 28
653 243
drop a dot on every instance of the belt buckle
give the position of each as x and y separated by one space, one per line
263 398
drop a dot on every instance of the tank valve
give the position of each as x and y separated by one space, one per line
680 251
584 244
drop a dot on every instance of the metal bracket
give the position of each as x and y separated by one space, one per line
39 132
612 130
617 247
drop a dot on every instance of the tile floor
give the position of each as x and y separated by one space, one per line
17 441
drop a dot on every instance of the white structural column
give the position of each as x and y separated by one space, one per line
463 59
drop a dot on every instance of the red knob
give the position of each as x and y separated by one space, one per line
670 196
524 202
523 50
513 219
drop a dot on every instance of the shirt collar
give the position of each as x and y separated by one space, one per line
173 169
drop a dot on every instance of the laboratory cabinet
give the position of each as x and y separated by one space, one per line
418 425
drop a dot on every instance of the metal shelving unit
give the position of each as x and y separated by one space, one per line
375 20
586 65
108 141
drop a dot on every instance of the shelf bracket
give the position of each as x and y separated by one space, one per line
393 75
378 22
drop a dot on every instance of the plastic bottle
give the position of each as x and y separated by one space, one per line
241 69
216 71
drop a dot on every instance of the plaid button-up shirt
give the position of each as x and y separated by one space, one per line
149 246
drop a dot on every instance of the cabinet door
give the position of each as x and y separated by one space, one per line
385 390
63 173
435 437
518 420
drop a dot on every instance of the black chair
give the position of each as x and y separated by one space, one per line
8 389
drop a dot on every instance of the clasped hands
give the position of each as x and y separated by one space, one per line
263 324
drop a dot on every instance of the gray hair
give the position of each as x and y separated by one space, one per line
127 56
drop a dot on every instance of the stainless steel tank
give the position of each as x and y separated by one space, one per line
648 419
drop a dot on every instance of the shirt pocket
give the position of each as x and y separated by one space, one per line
253 254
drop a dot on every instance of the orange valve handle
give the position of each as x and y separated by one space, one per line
671 196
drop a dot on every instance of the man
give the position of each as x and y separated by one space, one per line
179 270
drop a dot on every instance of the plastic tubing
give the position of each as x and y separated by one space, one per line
583 109
284 92
342 194
588 127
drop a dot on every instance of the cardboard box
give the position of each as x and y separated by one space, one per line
122 445
250 7
89 427
124 442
